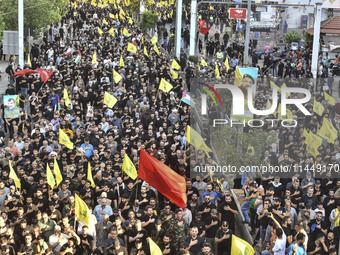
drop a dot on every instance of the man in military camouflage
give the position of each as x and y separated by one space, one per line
167 216
178 228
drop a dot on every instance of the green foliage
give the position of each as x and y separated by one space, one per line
149 20
37 14
231 145
193 59
308 39
292 37
135 5
2 27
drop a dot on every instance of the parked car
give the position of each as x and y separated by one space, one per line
294 46
336 69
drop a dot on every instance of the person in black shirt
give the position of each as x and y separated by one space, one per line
223 239
228 210
87 243
212 224
206 207
318 246
287 229
149 220
166 246
193 242
197 222
317 226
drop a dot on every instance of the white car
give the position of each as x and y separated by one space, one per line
294 46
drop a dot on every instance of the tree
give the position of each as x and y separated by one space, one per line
149 20
231 147
292 37
308 39
37 14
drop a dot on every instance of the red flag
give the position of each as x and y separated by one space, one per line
135 43
44 74
202 22
204 30
162 178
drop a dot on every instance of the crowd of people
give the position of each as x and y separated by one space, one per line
38 219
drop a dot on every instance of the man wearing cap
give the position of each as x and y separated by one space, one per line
223 239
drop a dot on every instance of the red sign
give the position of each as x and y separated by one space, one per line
237 13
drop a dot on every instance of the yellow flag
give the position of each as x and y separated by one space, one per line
93 2
94 58
125 32
132 48
14 177
269 105
238 77
112 16
75 6
105 22
156 49
285 86
116 76
220 184
58 175
116 15
196 140
241 247
328 131
226 63
203 62
109 100
154 39
89 175
146 52
100 32
315 143
67 100
329 99
29 60
175 65
129 167
112 32
318 108
121 62
121 12
65 140
273 85
81 210
211 7
165 86
50 177
217 72
154 249
130 21
142 39
174 74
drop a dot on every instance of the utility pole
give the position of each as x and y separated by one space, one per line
193 26
246 46
316 39
21 32
178 28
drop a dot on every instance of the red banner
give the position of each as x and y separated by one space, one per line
237 13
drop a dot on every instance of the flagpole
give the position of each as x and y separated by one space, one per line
178 106
75 222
